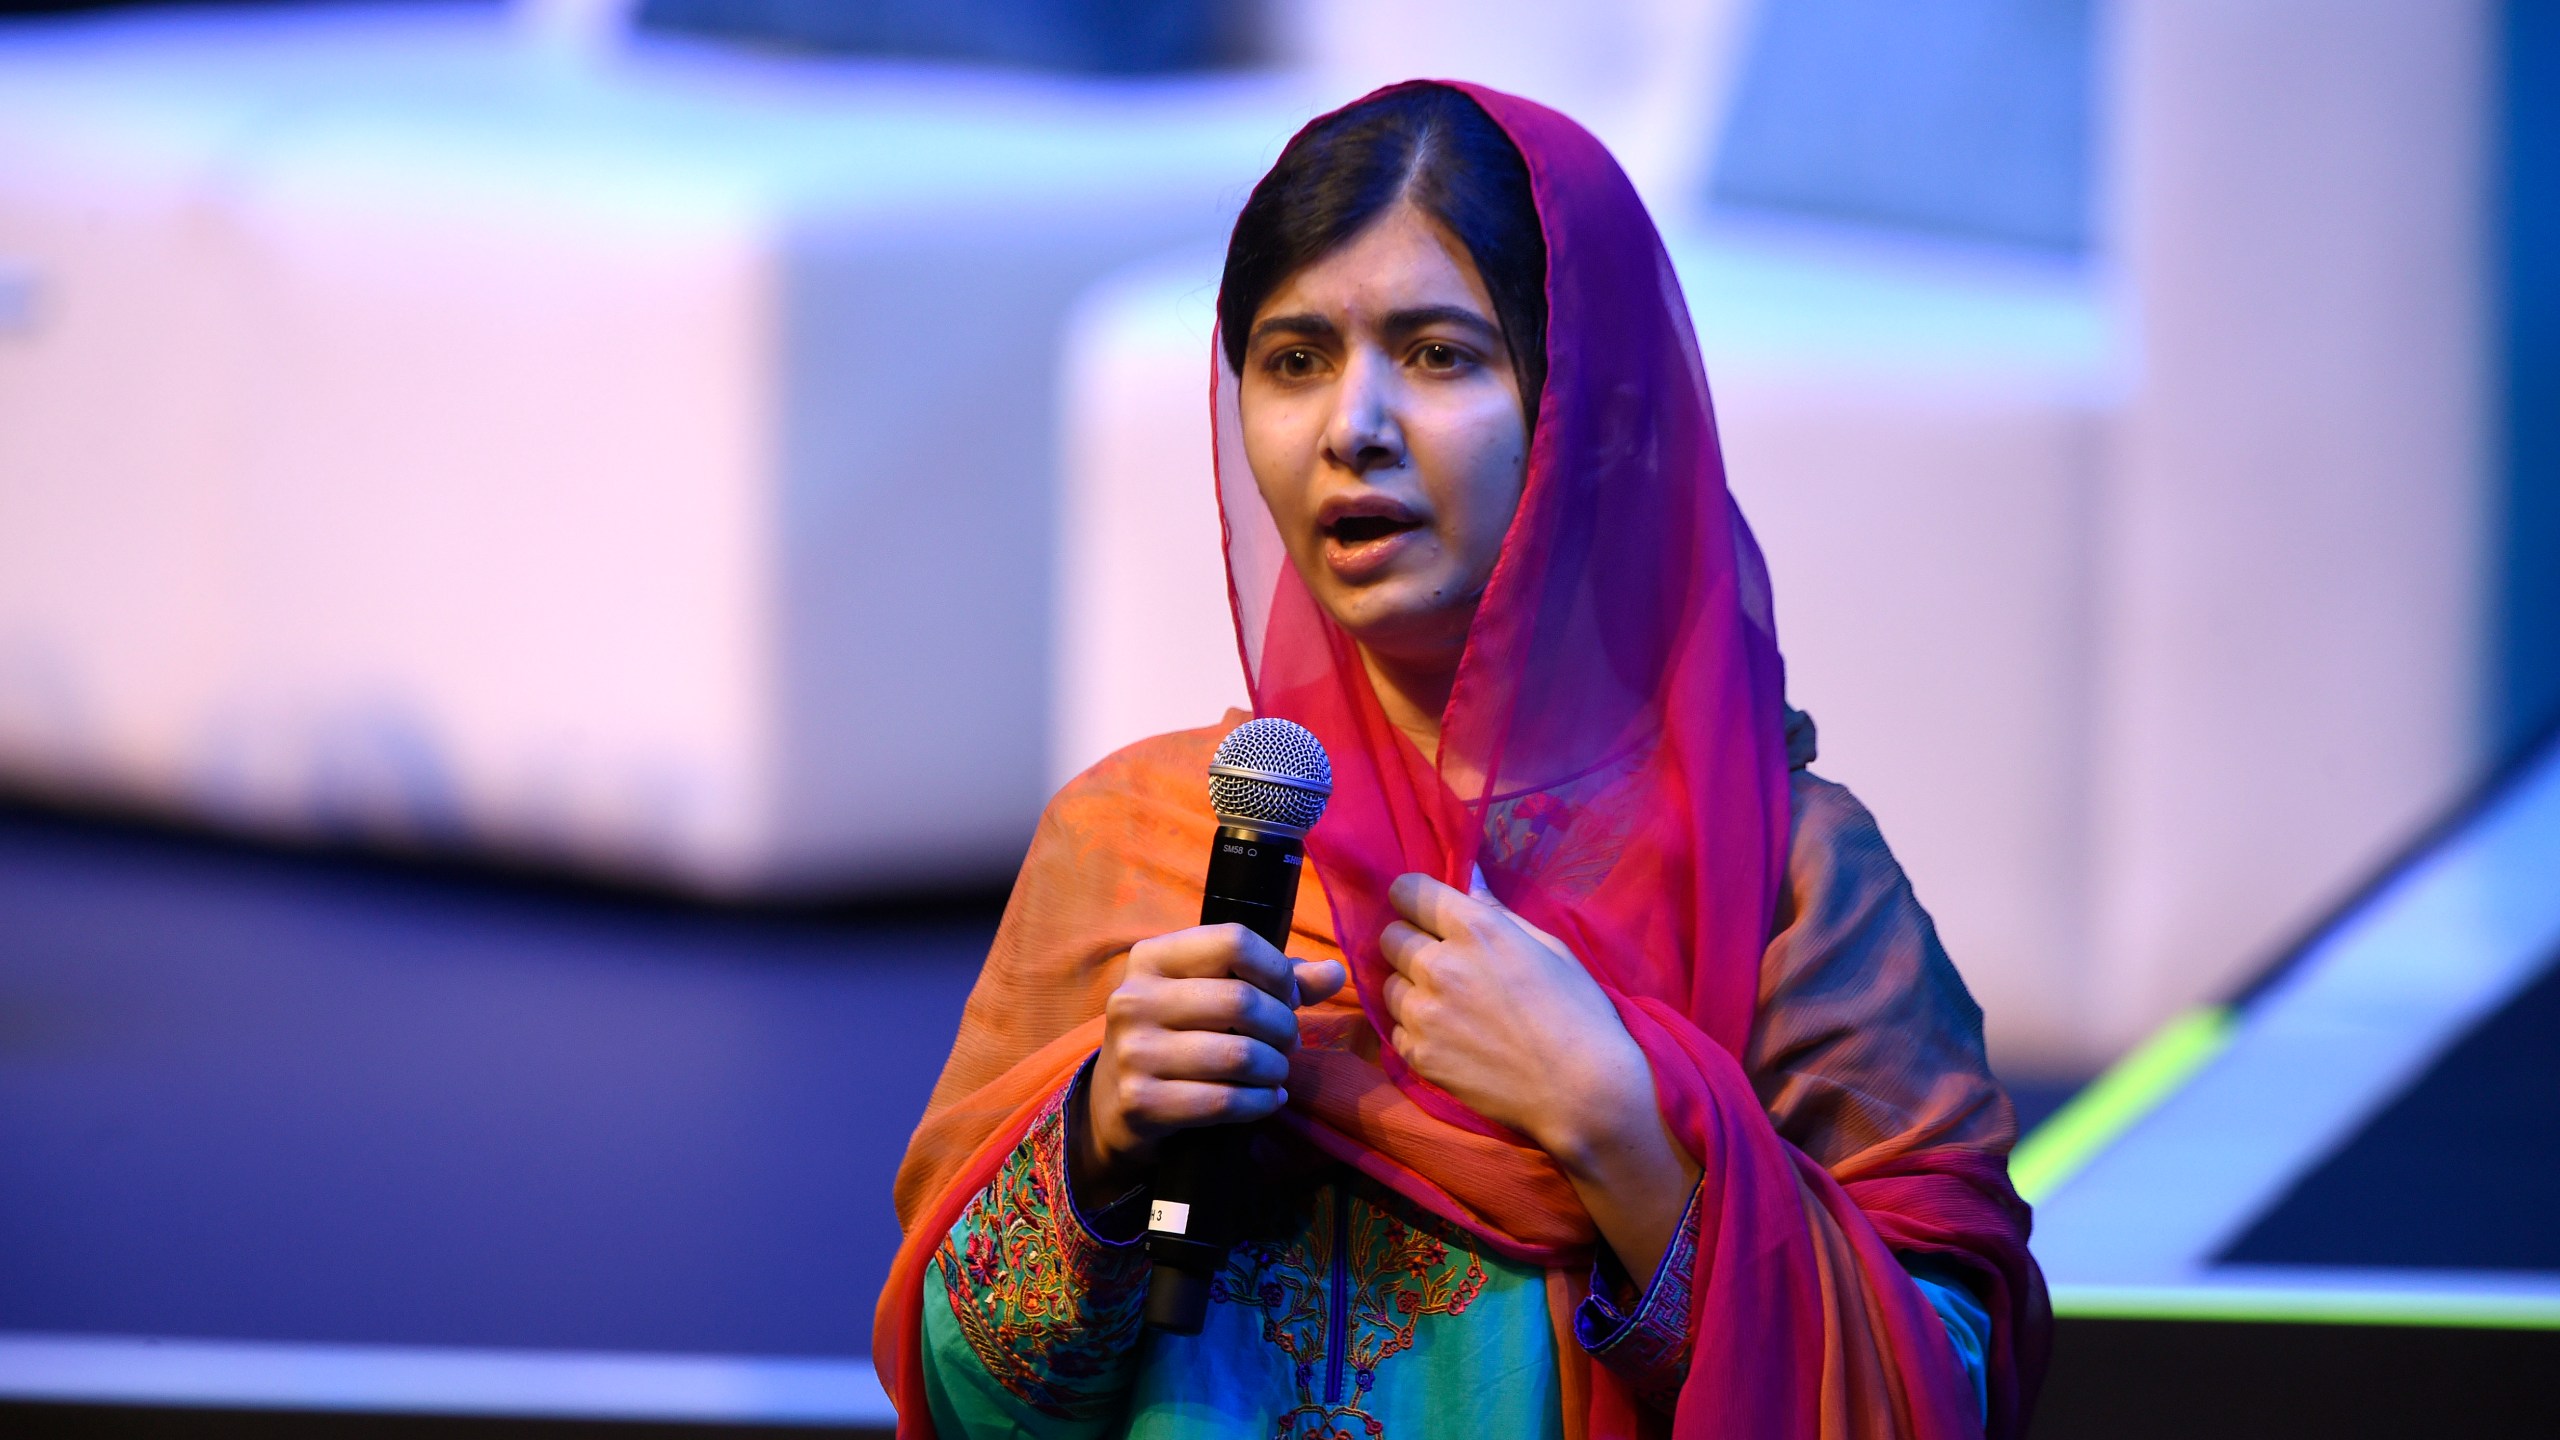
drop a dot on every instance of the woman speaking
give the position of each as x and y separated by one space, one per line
1616 1084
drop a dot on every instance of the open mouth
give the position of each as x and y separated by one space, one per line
1367 537
1361 529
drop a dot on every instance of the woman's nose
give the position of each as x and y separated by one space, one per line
1363 434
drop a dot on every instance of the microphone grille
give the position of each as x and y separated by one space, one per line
1271 772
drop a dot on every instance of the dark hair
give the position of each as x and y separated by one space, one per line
1429 143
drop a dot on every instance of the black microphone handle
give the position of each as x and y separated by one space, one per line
1253 882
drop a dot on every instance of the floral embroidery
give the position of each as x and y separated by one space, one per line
1571 834
1050 1309
1342 1296
1649 1346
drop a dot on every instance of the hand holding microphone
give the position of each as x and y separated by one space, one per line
1196 1039
1199 1033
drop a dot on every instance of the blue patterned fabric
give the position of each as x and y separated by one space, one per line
1644 1335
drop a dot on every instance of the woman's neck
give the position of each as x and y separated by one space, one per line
1414 697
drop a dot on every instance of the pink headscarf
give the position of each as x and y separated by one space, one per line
1627 629
1627 619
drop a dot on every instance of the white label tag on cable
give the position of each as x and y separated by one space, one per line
1169 1217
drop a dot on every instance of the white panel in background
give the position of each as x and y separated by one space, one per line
501 479
1915 431
1145 639
645 463
2293 623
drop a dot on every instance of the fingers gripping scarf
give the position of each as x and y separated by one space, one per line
1627 627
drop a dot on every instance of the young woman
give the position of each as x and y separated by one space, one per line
1618 1085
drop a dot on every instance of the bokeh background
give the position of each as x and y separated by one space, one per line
551 553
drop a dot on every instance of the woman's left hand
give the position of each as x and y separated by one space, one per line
1498 1013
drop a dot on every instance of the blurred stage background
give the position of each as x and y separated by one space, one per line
551 553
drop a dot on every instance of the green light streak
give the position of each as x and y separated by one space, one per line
2309 1305
2114 1101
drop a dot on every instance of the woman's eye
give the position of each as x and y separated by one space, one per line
1293 364
1438 356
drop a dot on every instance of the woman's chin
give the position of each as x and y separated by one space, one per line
1406 618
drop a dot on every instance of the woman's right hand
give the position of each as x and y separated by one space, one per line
1199 1033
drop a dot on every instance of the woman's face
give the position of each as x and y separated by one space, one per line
1383 425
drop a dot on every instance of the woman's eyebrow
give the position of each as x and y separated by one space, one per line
1401 323
1304 327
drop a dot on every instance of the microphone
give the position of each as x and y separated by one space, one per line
1268 784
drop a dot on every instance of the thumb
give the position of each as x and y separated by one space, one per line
1320 980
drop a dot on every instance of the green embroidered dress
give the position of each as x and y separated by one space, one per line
1365 1319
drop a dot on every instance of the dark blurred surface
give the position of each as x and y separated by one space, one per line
2036 1097
2524 673
1099 37
2460 1171
1110 37
2206 1380
68 7
249 1095
115 1422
